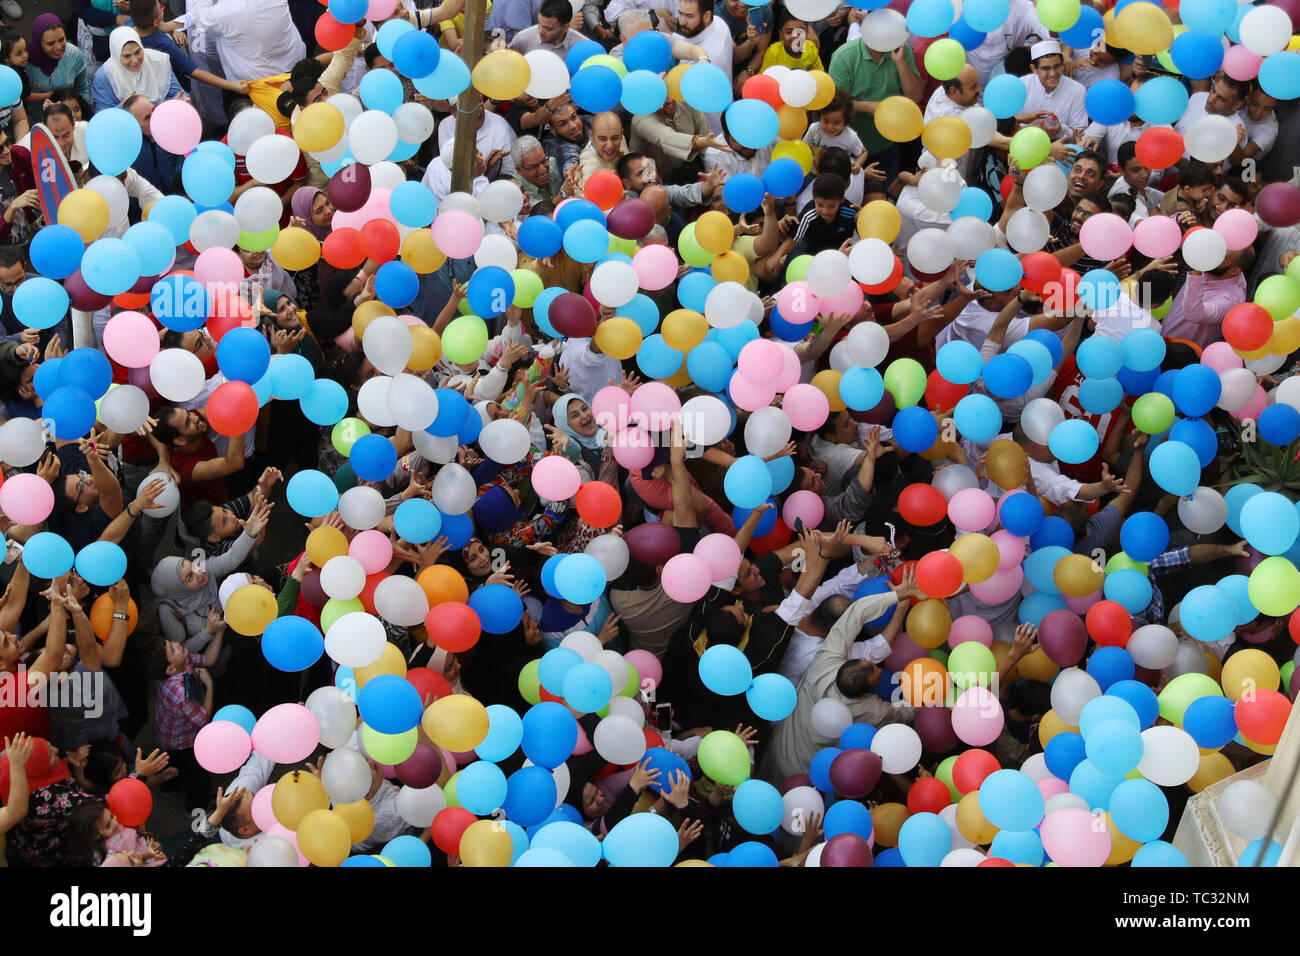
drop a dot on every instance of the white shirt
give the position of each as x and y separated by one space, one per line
973 323
588 371
622 6
1147 201
802 648
846 139
916 216
257 38
1066 101
1021 24
495 133
853 194
1196 109
1109 139
941 104
1263 133
716 41
526 41
438 178
1088 75
1048 480
1122 318
732 162
78 144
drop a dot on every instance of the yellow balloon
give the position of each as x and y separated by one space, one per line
359 817
420 253
674 81
714 232
1051 725
684 329
978 556
1037 666
458 722
1078 575
828 380
324 838
898 119
426 348
1144 28
1214 666
679 379
948 137
502 75
295 248
1286 336
939 450
825 90
730 267
1007 464
1000 651
886 820
693 863
618 337
391 661
1248 671
365 313
250 609
486 843
879 219
86 211
1265 749
1112 34
791 124
928 623
1122 848
971 822
1214 767
325 543
319 127
797 150
295 795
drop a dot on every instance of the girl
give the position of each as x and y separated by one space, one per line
131 68
40 838
96 838
13 53
313 211
53 64
834 128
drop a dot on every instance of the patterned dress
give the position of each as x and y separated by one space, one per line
40 839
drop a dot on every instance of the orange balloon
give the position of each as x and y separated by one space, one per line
443 584
924 683
604 188
101 616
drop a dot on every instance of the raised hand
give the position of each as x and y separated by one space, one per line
688 832
148 494
255 523
215 621
156 762
1025 640
643 776
19 749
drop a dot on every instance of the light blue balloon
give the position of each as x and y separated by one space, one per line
1159 853
587 687
1041 564
1130 588
781 469
747 482
772 697
505 733
758 807
389 34
1140 810
176 213
706 88
657 359
206 178
986 15
959 362
1100 357
753 123
413 204
1099 289
862 388
1094 785
975 203
1037 606
1270 523
237 714
1107 707
924 840
262 388
1144 349
641 840
47 555
978 418
448 80
1175 468
1208 613
1160 101
1018 846
554 665
152 242
408 851
290 376
1279 75
1114 746
1260 852
693 290
576 843
311 493
113 141
381 90
542 856
1005 95
931 18
580 578
326 403
998 270
417 521
1235 498
40 303
101 563
1236 585
1074 441
644 93
1011 800
725 670
1212 16
1037 355
586 240
641 310
110 266
481 787
1100 395
11 85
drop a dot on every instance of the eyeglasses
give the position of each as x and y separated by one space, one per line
531 166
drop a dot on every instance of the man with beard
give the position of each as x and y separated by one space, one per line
641 176
566 133
183 437
1261 124
696 23
675 139
555 31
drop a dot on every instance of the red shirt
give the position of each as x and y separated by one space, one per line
1066 391
213 490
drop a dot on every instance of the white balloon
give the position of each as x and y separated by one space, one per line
438 449
1153 646
342 577
1288 393
177 375
496 251
1266 30
114 193
930 250
414 122
800 804
356 639
776 72
345 775
841 360
371 137
1071 690
830 716
388 344
949 816
614 283
871 260
868 344
271 851
372 402
829 273
1027 230
1039 417
940 189
705 420
419 805
124 409
1170 756
387 175
1246 808
401 600
505 440
22 441
613 664
1238 386
798 88
548 77
1190 659
1266 365
767 431
814 857
898 746
1204 512
963 857
336 713
1045 187
347 104
335 152
168 501
412 402
1211 139
1204 250
954 478
461 202
972 236
214 229
884 30
810 11
726 305
983 125
627 707
258 209
361 508
1035 768
583 643
612 553
454 491
248 127
619 740
1065 801
272 159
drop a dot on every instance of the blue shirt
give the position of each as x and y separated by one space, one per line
513 16
182 65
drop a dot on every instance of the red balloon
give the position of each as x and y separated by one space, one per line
934 727
896 576
1040 268
367 595
1062 637
1247 327
453 626
1293 626
1261 717
572 316
381 240
943 394
423 767
131 801
1064 295
928 795
922 505
428 682
349 188
970 769
343 248
939 574
599 504
603 188
887 285
1159 147
855 773
846 849
778 537
631 219
448 827
331 34
765 88
1008 183
232 408
1108 623
994 861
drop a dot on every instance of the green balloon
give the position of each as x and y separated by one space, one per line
1280 295
1287 670
463 307
1293 269
604 59
905 379
464 339
1058 15
528 286
530 685
633 685
1122 562
1030 147
389 749
944 772
1274 587
626 246
335 609
1181 691
945 58
691 251
344 478
1154 413
449 790
258 241
1160 311
971 664
940 654
724 757
797 269
344 434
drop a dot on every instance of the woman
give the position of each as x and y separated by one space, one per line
586 439
96 838
313 211
131 68
40 839
189 598
52 64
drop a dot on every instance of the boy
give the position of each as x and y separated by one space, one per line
184 707
796 50
826 225
1134 178
1195 186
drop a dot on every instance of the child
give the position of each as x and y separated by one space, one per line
185 696
796 50
1134 178
1195 186
834 128
96 838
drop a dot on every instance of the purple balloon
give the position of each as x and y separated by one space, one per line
847 849
797 780
631 219
311 590
882 414
1063 637
653 543
855 773
934 726
1250 561
572 315
349 188
1278 205
422 768
83 297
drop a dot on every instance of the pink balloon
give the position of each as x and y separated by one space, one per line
970 627
372 549
411 320
1074 837
287 834
1157 236
902 653
805 505
611 408
27 498
749 396
131 340
218 267
633 449
222 746
686 578
1011 548
376 207
721 553
797 303
1052 786
1221 357
1237 227
1080 605
1105 236
556 478
790 372
646 664
655 266
1240 64
1003 586
807 406
457 234
583 746
845 302
972 509
261 810
1257 405
286 733
653 406
179 127
380 10
977 717
761 361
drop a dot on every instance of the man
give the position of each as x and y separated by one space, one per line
870 76
566 134
1048 90
66 131
215 527
516 16
973 322
955 95
674 139
13 273
837 443
182 438
1101 63
632 22
87 495
438 174
606 146
555 31
751 32
1232 193
588 368
254 38
146 15
494 137
665 10
1225 97
155 164
641 177
537 174
1087 173
1205 298
734 157
1021 26
695 23
1107 139
1132 309
1261 124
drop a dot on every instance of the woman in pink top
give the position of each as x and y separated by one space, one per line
95 838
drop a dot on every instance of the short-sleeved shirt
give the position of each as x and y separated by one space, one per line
777 55
182 65
191 491
855 69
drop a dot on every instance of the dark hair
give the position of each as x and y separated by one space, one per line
153 658
1178 355
1090 155
303 78
560 10
131 100
85 846
835 159
12 256
829 611
853 679
62 96
237 104
829 186
58 109
1127 151
1240 87
1236 184
165 431
171 339
1195 173
143 11
841 102
1123 204
1153 288
625 162
198 519
786 17
102 760
371 54
1097 199
1017 61
7 42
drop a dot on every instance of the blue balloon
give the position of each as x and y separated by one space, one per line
668 764
643 93
1037 606
737 337
970 39
40 303
1022 514
481 787
641 310
847 816
1011 800
1086 29
1210 721
781 469
407 851
1074 441
709 366
47 555
550 733
932 18
890 857
549 567
539 237
783 177
101 563
237 714
1099 289
1037 355
71 409
1018 846
1109 102
747 482
580 53
578 845
348 11
530 795
1099 396
175 212
1137 383
860 388
56 251
452 409
1144 349
554 665
725 670
596 89
499 608
1211 16
1269 522
505 733
753 123
923 840
1040 565
1235 498
585 240
113 141
819 770
915 429
986 15
1278 424
757 807
180 303
1063 753
977 417
447 81
373 458
152 242
1208 613
706 88
1052 531
292 644
1144 535
1130 588
875 585
1175 468
416 54
206 178
1199 436
1279 75
1140 697
959 362
1260 852
212 147
1096 785
457 529
857 736
290 376
1139 810
1005 95
397 285
580 578
382 90
787 331
311 493
998 270
490 292
1159 854
742 192
1109 665
576 210
1197 54
1160 101
693 290
587 687
648 50
110 266
646 840
1107 707
974 202
243 355
1007 376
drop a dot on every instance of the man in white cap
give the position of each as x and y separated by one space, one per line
1050 91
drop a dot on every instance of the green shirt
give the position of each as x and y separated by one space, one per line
856 70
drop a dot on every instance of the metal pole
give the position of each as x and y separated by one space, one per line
462 169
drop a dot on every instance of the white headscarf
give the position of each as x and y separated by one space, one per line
153 79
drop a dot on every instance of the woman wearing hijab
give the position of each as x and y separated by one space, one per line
131 68
53 64
40 838
313 211
586 439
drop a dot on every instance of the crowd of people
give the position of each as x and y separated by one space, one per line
805 434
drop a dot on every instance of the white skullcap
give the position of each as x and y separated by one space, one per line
1044 48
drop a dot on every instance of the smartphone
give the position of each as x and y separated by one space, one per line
758 18
798 526
664 717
